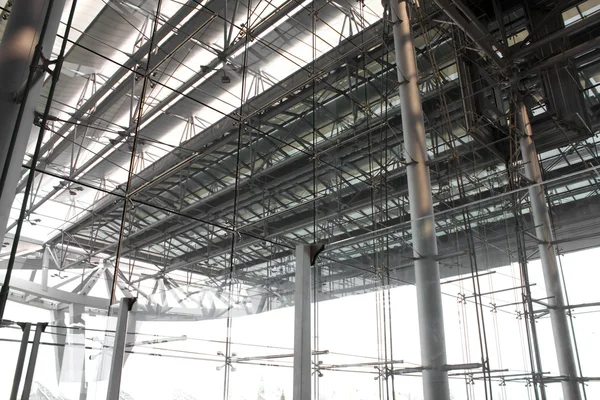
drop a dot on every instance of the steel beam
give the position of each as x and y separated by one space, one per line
174 96
289 171
266 103
55 294
427 274
27 386
20 361
116 366
468 22
543 230
95 102
582 25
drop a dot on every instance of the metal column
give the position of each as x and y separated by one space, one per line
543 231
427 274
20 361
45 268
116 366
20 38
305 259
39 328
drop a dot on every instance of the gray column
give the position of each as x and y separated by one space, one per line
45 268
39 328
71 365
116 366
427 274
16 51
20 361
305 259
78 339
543 232
302 357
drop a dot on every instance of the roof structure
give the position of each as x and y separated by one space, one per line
191 145
273 140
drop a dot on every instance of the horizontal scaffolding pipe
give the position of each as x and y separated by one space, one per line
470 276
448 367
499 291
275 356
441 257
550 379
364 364
513 304
529 374
569 307
478 372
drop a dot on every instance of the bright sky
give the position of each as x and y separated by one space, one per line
347 329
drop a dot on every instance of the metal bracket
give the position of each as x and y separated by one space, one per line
315 250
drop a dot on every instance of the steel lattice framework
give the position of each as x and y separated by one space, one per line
231 131
320 149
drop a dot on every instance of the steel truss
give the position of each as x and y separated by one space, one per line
318 155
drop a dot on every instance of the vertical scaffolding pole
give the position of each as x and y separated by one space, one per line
116 366
20 361
543 232
40 327
306 255
427 274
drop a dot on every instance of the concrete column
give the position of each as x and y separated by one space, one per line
116 366
27 386
427 274
543 232
20 361
305 259
16 52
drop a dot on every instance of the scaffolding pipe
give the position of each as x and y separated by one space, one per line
543 231
427 274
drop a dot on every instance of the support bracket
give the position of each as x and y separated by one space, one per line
315 250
